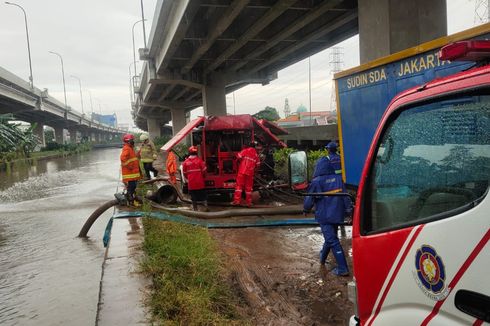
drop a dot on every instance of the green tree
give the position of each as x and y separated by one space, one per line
14 139
269 113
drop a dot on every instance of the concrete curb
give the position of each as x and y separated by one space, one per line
122 287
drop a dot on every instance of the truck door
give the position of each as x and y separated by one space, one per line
421 252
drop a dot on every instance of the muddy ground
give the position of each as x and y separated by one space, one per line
276 273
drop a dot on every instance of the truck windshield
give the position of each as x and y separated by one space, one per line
433 162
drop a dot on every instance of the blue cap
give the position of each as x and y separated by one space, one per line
331 145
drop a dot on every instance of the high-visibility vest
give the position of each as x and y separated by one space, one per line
147 152
130 167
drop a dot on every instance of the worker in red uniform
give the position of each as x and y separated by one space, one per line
248 161
194 170
171 165
130 168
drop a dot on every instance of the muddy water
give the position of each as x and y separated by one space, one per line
48 276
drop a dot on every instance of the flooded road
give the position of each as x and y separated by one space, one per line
48 276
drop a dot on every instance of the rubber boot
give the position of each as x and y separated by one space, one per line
323 255
342 269
205 203
194 206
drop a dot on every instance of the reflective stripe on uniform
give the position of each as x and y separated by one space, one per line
338 171
193 170
129 161
249 158
133 175
334 191
147 160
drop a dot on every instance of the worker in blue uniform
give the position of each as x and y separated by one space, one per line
332 157
329 211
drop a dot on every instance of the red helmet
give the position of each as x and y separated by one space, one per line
193 149
128 137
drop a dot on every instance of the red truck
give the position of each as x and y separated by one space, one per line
421 223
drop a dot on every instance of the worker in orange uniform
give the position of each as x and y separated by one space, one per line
171 167
194 171
130 168
248 161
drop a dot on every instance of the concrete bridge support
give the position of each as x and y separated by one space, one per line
154 128
214 96
73 134
39 132
389 26
178 120
59 134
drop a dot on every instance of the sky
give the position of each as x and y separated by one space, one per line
95 41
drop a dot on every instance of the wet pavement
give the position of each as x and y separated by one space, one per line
122 287
48 276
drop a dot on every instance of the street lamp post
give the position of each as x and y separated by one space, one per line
134 48
131 94
62 74
143 19
31 79
90 95
81 96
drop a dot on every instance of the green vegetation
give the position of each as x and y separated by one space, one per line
281 161
268 113
14 141
160 141
188 278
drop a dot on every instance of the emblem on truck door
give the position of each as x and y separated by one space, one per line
430 273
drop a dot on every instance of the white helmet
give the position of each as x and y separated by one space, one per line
143 137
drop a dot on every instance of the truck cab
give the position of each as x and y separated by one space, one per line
422 221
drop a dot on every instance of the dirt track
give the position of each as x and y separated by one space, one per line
276 273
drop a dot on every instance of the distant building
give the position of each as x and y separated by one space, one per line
302 118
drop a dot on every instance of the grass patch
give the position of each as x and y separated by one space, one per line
189 285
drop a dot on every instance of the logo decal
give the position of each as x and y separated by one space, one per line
430 273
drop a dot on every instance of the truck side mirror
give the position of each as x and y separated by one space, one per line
298 170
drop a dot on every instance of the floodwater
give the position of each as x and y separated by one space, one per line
48 276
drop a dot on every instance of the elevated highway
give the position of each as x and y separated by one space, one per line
37 106
199 50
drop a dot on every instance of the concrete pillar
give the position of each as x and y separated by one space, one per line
214 96
73 134
39 132
389 26
154 128
97 137
59 135
178 120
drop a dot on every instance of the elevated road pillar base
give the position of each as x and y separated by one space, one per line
390 26
154 128
178 120
214 96
39 132
73 135
59 135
